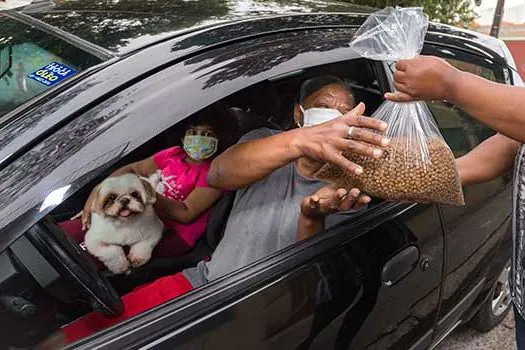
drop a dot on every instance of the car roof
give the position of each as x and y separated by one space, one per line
187 42
127 25
120 27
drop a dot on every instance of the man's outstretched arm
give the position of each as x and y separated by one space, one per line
250 161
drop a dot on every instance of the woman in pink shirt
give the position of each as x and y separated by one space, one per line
183 195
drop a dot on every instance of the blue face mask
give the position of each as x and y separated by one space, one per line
200 147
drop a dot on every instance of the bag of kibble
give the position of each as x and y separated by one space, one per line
418 165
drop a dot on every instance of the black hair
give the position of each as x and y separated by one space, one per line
204 120
219 120
310 86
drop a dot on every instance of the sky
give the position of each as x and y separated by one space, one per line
514 11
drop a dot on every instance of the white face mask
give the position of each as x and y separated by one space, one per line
316 115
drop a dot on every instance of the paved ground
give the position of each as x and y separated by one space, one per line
500 338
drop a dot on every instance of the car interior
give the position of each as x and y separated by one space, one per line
267 104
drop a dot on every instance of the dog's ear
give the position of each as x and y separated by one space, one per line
149 196
94 203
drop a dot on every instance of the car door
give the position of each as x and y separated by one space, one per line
330 292
474 231
372 281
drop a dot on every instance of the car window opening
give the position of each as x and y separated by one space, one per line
191 144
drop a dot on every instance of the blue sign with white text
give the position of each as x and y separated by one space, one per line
52 73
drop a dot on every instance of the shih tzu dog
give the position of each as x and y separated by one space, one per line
122 215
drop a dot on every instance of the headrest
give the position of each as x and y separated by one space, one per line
247 121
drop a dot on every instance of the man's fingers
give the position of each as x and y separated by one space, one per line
360 148
370 137
356 111
359 109
401 65
399 97
403 88
351 119
362 200
400 77
355 192
338 159
349 201
341 194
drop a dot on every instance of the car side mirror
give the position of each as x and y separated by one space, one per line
6 59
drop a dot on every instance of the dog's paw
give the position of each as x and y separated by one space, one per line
137 260
119 266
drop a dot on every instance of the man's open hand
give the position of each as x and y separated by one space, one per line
332 199
351 132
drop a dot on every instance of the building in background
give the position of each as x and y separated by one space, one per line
512 29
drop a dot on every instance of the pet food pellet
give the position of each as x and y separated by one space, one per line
401 175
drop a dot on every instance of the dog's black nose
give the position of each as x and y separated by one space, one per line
124 201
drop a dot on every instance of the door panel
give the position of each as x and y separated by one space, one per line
473 231
337 300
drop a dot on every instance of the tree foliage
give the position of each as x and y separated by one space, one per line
455 12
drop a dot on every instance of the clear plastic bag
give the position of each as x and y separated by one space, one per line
418 165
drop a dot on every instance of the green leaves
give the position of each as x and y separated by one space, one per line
455 12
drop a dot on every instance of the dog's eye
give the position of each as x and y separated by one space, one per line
110 199
135 195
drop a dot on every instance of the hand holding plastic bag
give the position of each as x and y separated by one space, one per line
418 165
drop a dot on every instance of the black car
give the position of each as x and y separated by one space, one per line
87 86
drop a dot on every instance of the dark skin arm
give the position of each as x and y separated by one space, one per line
249 162
487 161
498 106
198 201
327 200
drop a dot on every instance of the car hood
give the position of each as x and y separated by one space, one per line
126 25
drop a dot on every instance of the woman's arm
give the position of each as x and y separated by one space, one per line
197 202
488 160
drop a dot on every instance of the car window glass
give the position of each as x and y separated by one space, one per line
32 62
476 69
461 131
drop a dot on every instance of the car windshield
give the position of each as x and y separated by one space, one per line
32 61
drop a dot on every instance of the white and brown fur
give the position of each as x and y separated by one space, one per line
110 231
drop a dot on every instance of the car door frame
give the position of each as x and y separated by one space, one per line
120 112
170 319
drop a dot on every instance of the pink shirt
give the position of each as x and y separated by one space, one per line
177 179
